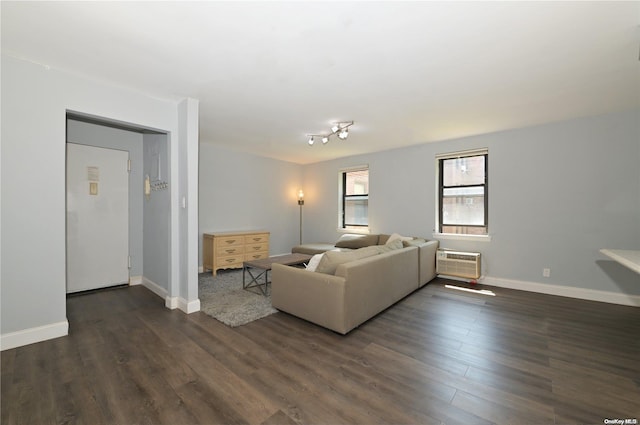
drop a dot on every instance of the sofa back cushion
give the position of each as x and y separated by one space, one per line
352 241
312 265
390 246
414 242
332 259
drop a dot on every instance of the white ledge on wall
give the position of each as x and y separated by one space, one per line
626 257
365 231
458 237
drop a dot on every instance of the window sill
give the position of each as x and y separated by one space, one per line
364 231
458 237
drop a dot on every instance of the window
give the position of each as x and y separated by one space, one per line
462 193
355 198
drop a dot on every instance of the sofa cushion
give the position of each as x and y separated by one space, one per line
312 265
352 241
390 246
414 242
312 248
395 237
332 259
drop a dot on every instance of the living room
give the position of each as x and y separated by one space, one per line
561 185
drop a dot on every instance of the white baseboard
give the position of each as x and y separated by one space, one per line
563 291
190 306
135 280
33 335
182 304
154 287
200 269
172 302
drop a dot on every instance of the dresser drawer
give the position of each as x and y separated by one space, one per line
257 238
230 250
229 241
255 255
230 261
256 247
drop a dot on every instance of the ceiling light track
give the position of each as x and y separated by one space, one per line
339 128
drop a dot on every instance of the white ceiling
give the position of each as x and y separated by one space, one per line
268 73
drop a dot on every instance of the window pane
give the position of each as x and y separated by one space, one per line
463 206
463 171
357 183
356 211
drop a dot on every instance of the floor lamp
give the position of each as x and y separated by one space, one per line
300 203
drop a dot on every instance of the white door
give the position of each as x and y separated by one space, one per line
97 217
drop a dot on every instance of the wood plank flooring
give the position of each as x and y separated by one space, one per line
440 356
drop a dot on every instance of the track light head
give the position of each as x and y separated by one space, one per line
340 128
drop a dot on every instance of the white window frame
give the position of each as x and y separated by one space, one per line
457 236
341 173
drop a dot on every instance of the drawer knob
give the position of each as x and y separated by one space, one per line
231 241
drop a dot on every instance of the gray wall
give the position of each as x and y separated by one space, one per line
157 239
35 101
557 194
240 191
108 137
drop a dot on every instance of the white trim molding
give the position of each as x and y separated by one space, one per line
172 302
135 280
33 335
461 237
154 287
180 303
564 291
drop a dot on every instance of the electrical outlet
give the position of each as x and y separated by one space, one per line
546 272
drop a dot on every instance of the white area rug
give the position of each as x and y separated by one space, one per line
223 298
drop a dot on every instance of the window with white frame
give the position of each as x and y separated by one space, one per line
463 192
354 199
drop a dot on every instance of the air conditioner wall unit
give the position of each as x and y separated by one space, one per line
458 264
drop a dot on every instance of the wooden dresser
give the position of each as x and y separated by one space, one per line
228 250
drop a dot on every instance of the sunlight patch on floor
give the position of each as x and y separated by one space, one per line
475 291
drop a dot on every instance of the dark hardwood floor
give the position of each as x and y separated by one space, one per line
438 356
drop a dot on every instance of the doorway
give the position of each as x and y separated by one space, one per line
148 214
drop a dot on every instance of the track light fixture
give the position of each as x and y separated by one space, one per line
340 128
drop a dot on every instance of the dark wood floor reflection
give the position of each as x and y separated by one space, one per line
439 356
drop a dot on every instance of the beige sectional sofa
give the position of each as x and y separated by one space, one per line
354 284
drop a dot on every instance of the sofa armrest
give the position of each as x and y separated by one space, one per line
427 263
316 297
